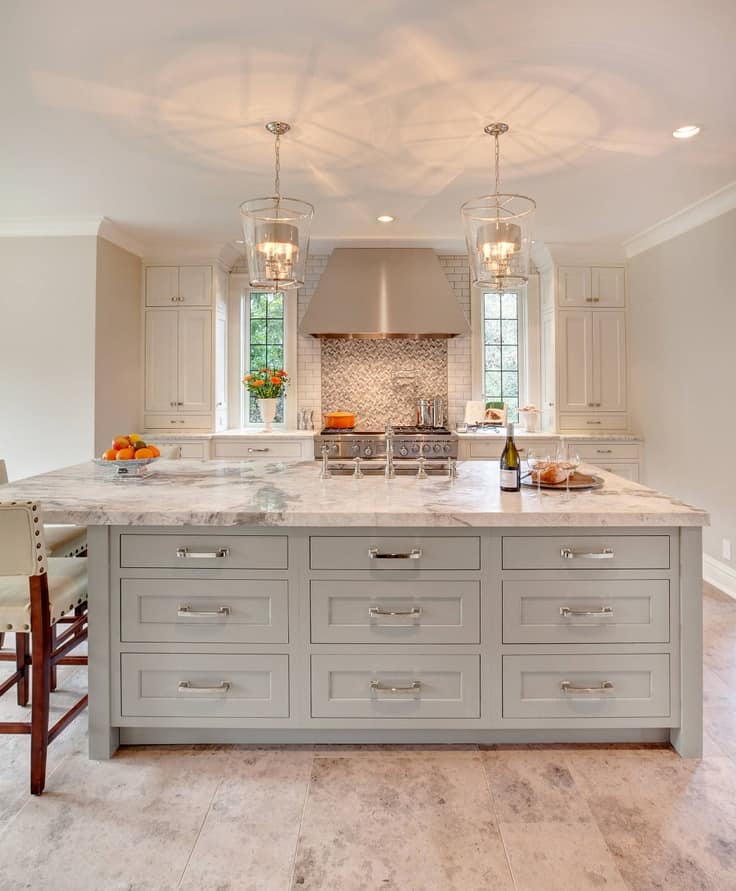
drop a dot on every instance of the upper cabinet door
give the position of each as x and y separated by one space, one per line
575 360
220 372
162 286
608 286
195 360
161 361
574 286
609 367
195 285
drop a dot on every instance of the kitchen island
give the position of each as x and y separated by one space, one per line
254 602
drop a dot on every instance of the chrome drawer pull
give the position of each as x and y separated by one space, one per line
604 451
604 611
219 554
186 612
572 554
250 451
375 554
189 687
374 611
383 688
569 687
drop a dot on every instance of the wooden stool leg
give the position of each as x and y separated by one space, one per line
54 678
41 679
22 664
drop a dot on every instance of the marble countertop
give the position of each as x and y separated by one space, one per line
520 433
263 493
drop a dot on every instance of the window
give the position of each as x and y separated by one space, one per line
502 349
264 342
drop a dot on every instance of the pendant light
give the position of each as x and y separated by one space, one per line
276 231
498 231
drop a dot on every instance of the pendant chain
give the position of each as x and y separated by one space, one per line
498 161
277 180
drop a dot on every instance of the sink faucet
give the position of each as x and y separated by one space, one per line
325 473
388 471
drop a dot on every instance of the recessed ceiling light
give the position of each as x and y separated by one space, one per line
686 132
385 218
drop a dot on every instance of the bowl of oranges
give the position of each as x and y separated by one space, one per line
128 455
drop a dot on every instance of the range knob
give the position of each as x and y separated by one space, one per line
448 449
367 451
438 448
426 448
403 451
415 448
356 448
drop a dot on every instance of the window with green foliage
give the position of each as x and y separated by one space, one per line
501 350
264 341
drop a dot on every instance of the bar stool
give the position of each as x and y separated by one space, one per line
35 593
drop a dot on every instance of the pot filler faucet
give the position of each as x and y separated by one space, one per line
388 472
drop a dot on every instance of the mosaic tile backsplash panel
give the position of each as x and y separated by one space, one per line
380 380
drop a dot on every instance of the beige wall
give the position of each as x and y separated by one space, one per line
682 328
118 349
47 305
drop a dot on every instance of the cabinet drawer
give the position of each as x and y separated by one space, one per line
360 686
257 448
394 552
594 422
192 450
203 551
204 611
587 552
177 422
184 685
609 686
493 449
597 452
627 471
423 612
590 611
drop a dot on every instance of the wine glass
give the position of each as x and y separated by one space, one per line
572 463
535 460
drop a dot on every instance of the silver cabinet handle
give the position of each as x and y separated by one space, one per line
219 554
593 422
379 687
571 554
604 451
605 611
186 612
413 554
180 403
374 611
569 687
189 687
250 451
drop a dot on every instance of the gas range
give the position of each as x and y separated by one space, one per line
431 443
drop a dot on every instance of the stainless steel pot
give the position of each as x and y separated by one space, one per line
425 413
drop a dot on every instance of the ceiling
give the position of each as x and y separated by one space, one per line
152 114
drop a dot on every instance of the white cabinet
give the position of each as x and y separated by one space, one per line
178 361
220 372
178 286
600 286
592 361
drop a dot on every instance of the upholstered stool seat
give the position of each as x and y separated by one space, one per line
65 541
67 590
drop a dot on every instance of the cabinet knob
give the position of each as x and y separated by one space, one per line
180 403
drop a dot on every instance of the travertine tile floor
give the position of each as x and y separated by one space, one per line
537 819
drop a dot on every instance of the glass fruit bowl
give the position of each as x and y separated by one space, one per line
131 467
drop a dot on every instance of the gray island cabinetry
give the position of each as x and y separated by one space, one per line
239 602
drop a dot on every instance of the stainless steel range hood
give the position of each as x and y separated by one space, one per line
381 293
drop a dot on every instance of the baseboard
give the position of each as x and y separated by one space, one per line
720 575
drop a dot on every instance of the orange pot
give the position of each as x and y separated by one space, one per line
339 419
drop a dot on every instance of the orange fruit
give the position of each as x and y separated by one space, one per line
120 442
144 453
155 450
110 455
125 454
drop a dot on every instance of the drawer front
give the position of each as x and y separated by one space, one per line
388 686
599 452
394 552
594 422
256 448
586 552
627 471
203 551
192 450
493 448
591 611
395 612
185 685
177 422
206 611
586 686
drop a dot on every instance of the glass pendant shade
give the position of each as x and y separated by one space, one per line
276 233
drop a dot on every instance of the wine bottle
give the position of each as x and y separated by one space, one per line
510 464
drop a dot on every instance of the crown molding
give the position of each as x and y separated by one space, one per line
326 244
49 227
708 208
112 232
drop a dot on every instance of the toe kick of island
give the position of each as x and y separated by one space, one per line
489 635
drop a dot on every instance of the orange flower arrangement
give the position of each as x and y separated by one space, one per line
266 383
